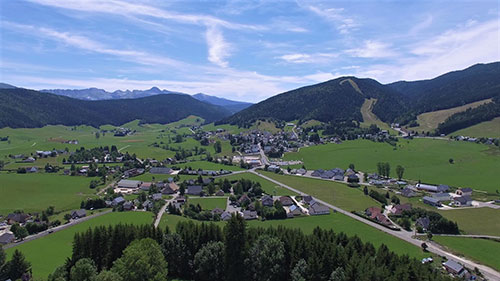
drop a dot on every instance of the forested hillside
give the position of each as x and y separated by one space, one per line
27 108
335 100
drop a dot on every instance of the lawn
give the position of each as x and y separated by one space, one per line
487 129
268 187
370 118
208 203
484 251
49 252
337 194
475 165
36 192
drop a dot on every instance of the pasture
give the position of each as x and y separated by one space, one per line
337 194
49 252
205 165
484 251
429 121
487 129
484 221
36 192
475 165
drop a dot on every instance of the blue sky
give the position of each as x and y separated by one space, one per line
243 50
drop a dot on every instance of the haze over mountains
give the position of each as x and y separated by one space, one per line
335 100
100 94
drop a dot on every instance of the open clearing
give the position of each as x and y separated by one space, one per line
484 221
484 251
429 121
487 129
475 165
49 252
36 192
370 118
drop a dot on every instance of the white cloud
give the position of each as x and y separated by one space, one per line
308 58
372 49
218 48
344 24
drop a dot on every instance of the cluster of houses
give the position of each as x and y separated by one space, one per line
336 174
6 236
122 132
208 173
439 194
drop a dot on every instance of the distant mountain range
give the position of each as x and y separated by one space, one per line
100 94
335 100
342 98
23 108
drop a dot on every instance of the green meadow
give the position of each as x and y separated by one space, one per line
208 203
484 221
205 165
484 251
337 194
36 192
49 252
475 165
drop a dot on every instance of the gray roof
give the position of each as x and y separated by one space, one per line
455 266
6 238
118 200
79 213
129 183
463 199
430 199
194 189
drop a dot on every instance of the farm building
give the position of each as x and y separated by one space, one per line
129 184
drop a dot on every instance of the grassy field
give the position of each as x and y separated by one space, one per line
475 165
337 194
370 118
232 129
482 250
487 129
49 252
484 221
268 187
337 222
265 126
208 203
429 121
36 192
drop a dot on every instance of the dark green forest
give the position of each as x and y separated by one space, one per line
234 252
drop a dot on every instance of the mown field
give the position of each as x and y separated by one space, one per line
484 221
484 251
487 129
36 192
370 118
205 165
267 186
475 165
49 252
208 203
337 194
429 121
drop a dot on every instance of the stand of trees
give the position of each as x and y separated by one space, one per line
438 224
235 252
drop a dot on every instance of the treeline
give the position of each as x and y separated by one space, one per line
438 224
471 116
235 252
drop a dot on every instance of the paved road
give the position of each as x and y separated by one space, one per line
263 156
407 236
56 229
162 210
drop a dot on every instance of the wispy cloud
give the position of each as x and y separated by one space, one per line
87 44
343 23
372 49
218 48
308 58
423 24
